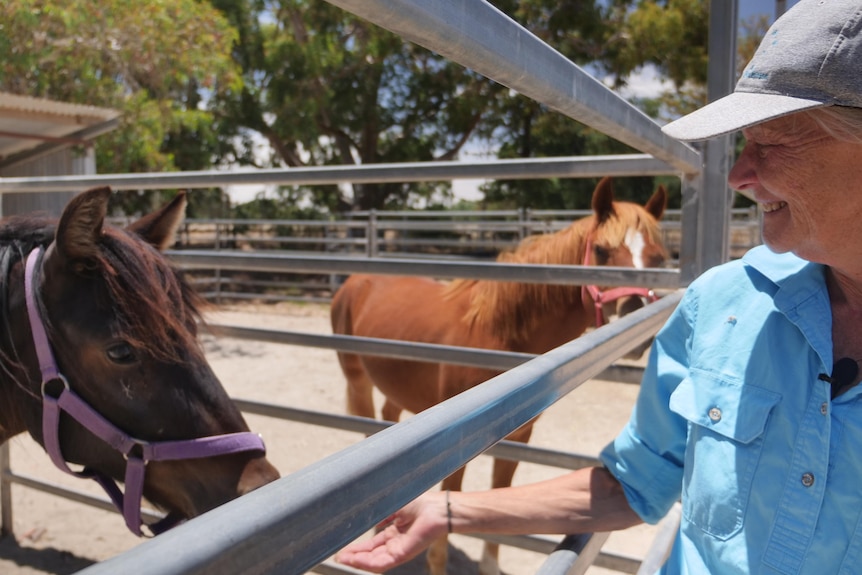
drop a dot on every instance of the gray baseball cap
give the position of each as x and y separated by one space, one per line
811 57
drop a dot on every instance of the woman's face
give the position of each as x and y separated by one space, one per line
808 185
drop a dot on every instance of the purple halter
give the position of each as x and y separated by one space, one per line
136 451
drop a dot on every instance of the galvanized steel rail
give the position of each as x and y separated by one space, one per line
530 168
475 357
522 273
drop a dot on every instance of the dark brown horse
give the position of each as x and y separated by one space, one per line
100 363
531 318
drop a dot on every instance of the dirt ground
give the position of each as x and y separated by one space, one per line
53 535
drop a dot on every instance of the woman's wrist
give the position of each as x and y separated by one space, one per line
448 513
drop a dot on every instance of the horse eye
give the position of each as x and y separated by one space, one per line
121 353
602 254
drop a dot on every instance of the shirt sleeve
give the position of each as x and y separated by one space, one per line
647 456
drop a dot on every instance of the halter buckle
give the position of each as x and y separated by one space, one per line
137 447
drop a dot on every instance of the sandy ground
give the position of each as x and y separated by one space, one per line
57 536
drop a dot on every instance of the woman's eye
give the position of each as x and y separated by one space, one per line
121 353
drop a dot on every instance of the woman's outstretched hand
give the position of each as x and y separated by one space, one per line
407 533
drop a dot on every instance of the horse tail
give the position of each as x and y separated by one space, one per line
339 310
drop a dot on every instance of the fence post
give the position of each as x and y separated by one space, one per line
524 216
371 234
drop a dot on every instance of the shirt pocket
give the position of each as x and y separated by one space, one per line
726 421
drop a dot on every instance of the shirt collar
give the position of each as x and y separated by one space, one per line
800 294
783 269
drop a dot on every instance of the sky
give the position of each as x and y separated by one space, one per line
645 83
749 7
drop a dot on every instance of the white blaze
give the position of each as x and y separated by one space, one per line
635 243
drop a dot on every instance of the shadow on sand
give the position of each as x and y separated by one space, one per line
60 562
49 560
459 564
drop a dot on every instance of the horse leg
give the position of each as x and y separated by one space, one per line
438 552
504 472
390 411
360 399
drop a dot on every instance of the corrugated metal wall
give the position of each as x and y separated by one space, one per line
68 161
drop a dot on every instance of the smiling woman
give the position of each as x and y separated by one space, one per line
797 171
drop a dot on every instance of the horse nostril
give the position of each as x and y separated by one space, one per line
257 473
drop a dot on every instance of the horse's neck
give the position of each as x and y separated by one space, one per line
14 393
11 399
530 317
552 329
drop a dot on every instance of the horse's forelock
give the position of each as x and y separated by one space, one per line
157 307
612 232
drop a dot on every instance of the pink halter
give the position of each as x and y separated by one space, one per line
600 297
136 451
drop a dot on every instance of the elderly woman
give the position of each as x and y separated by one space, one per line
748 411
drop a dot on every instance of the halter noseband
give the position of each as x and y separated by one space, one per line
601 297
137 452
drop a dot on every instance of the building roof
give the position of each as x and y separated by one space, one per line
30 126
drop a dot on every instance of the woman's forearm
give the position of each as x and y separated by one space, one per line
583 501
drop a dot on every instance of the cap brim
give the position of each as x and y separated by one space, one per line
734 112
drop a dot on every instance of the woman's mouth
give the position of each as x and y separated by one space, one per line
772 206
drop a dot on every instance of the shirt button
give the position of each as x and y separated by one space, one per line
807 479
824 408
715 414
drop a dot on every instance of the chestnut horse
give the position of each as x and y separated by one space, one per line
531 318
100 363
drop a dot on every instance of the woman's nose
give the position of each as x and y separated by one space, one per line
743 174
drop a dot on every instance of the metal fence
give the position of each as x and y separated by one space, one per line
468 235
294 524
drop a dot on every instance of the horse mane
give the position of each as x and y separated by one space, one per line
512 310
157 308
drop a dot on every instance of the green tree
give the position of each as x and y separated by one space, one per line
324 87
157 62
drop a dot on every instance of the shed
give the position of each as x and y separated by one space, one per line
40 137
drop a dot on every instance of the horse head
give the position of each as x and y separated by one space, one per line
103 366
623 234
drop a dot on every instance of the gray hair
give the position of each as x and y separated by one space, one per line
841 122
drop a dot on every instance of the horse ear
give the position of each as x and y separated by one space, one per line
603 199
81 224
657 203
159 228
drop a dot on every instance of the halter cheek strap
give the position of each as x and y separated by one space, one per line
600 297
136 452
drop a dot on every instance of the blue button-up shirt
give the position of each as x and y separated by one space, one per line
732 419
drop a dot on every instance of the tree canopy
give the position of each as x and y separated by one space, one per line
200 83
155 61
